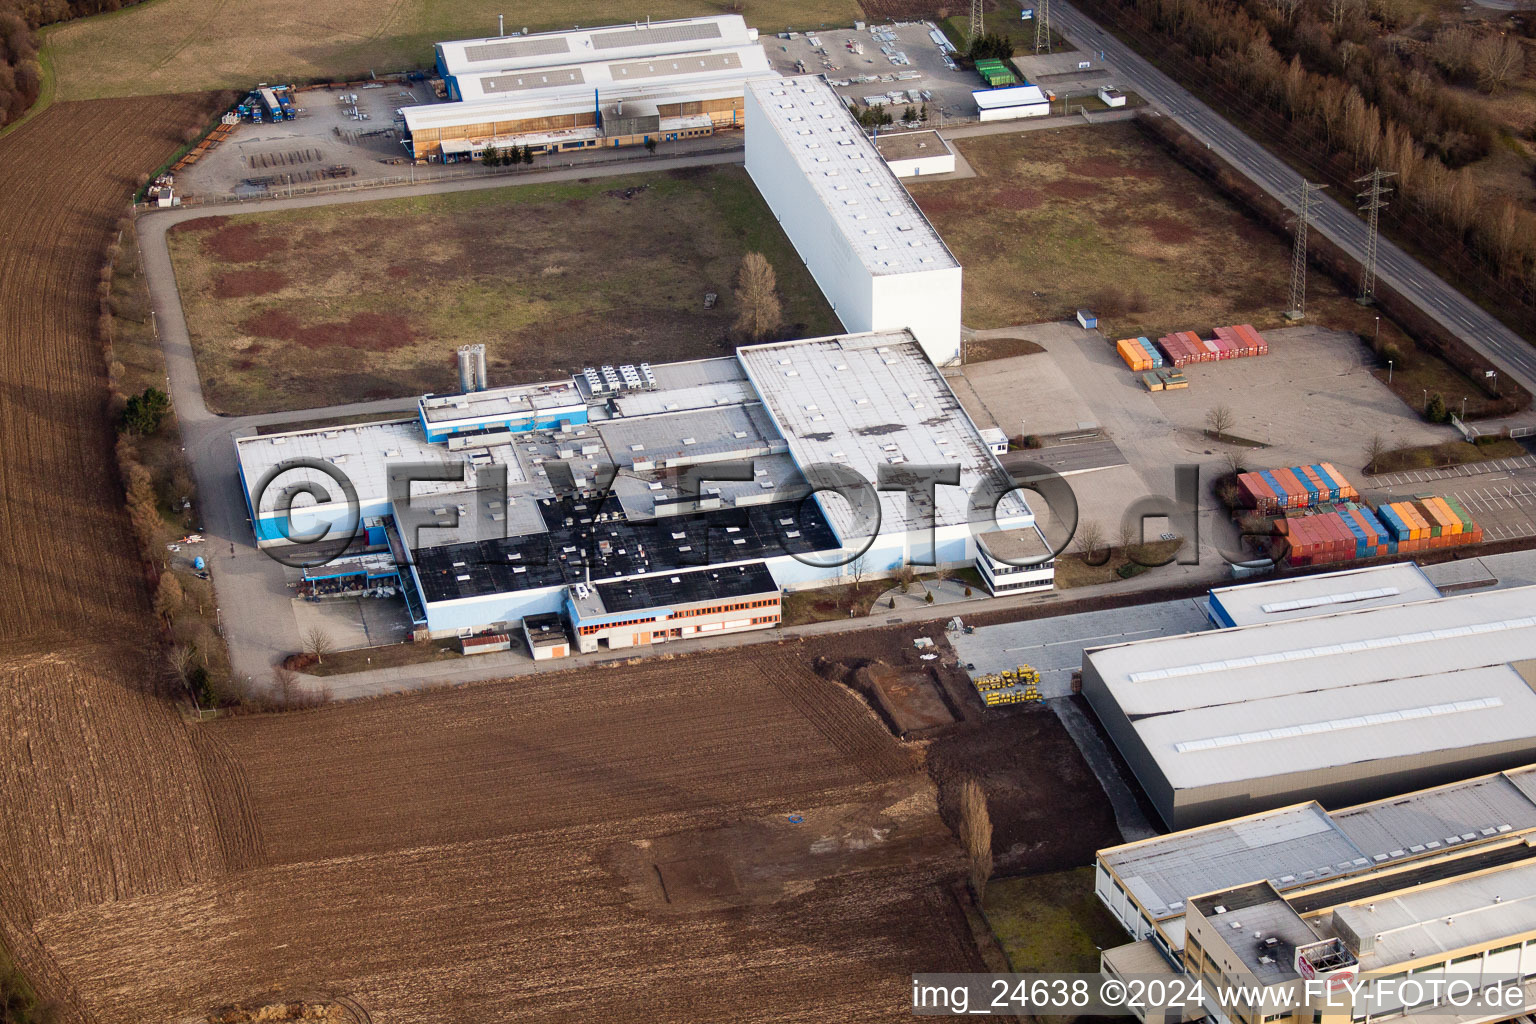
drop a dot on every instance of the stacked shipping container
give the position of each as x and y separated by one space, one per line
1185 347
1349 532
1139 354
1275 490
1428 523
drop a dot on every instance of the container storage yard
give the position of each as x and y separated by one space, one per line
1270 491
1185 347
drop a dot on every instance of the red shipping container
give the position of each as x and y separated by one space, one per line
1260 346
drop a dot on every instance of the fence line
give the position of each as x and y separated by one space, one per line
396 180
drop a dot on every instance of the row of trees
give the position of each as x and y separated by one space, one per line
21 75
1322 79
490 156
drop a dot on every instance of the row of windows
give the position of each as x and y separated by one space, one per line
589 630
688 613
764 620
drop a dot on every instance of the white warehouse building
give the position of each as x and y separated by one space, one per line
615 86
878 261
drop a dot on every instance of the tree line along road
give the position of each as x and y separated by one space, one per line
1453 310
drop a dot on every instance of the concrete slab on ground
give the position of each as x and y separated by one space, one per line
353 622
1054 646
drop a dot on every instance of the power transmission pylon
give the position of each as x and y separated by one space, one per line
1043 26
978 13
1304 196
1371 207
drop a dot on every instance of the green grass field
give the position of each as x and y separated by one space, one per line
189 45
1051 922
314 307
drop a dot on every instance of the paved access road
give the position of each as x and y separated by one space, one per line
1457 313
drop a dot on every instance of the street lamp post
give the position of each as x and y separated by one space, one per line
1463 408
1426 400
1389 371
1376 342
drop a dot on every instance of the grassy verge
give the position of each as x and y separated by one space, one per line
1003 21
823 603
195 45
340 663
1418 374
1066 218
1451 453
135 363
1051 922
1111 565
355 302
48 87
19 1003
981 350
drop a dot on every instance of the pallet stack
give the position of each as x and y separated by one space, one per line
1017 686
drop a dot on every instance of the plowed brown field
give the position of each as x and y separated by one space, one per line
601 845
104 794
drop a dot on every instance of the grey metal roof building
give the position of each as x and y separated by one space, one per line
1300 597
1339 707
1316 858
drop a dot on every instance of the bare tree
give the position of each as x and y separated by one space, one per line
905 576
1498 60
976 834
1233 461
1374 450
1220 420
1130 535
179 659
1090 538
319 643
759 313
168 596
285 684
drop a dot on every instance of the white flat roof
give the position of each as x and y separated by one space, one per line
503 402
869 400
706 67
1308 693
1474 910
1012 96
865 199
516 106
609 42
1305 596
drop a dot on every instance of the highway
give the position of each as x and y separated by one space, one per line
1512 354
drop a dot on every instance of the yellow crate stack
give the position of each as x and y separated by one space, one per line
1010 686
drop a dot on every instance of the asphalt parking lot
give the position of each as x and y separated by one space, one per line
915 62
1054 646
1500 494
324 137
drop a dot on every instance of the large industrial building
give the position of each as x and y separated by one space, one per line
613 86
878 261
572 497
1439 882
1340 707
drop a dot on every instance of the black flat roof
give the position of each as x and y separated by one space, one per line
692 587
590 539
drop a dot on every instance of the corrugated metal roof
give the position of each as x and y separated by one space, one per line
863 198
1298 847
1252 603
609 42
